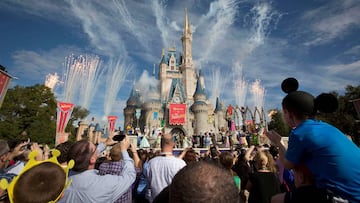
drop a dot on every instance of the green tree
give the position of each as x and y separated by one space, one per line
345 117
77 115
277 122
31 110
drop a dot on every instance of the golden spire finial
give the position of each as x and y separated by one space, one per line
186 24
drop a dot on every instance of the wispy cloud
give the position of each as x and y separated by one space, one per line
333 20
233 41
219 19
35 65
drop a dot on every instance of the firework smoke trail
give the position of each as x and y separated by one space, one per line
51 80
223 13
262 16
217 84
116 76
89 78
158 6
258 93
81 79
71 78
240 85
130 22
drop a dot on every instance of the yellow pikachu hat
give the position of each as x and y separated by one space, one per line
31 164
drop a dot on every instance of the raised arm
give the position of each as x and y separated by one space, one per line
275 138
135 156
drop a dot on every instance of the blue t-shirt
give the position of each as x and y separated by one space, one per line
333 159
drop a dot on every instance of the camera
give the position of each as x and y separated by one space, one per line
26 147
119 137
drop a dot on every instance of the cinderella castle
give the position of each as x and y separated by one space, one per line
178 104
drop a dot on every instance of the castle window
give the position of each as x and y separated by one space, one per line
172 67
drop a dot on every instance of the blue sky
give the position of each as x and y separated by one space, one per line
254 44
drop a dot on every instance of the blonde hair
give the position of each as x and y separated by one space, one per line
264 160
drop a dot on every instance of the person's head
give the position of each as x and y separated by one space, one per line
143 155
214 152
167 141
84 153
226 159
42 183
301 105
39 181
264 160
203 182
115 152
64 149
190 156
4 149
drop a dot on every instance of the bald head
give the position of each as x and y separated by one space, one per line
167 141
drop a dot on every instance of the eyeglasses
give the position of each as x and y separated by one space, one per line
4 197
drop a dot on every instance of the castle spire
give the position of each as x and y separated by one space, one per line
187 28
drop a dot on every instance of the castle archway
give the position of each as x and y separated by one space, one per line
179 137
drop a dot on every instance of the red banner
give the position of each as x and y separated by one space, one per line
111 121
177 114
64 111
4 84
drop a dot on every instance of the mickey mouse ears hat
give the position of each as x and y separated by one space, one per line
303 102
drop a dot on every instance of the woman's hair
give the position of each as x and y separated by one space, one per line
42 183
264 160
81 154
302 104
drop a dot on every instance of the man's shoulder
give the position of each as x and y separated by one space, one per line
165 159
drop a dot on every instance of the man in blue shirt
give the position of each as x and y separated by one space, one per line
330 156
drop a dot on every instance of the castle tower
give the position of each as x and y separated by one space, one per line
187 66
200 109
129 111
220 121
152 111
169 69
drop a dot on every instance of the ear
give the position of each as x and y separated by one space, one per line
3 157
92 160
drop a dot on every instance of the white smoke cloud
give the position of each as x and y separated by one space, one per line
117 72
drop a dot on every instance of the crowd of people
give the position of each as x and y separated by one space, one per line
319 164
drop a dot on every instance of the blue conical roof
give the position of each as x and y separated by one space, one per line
199 89
218 105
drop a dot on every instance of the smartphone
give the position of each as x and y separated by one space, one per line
119 137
